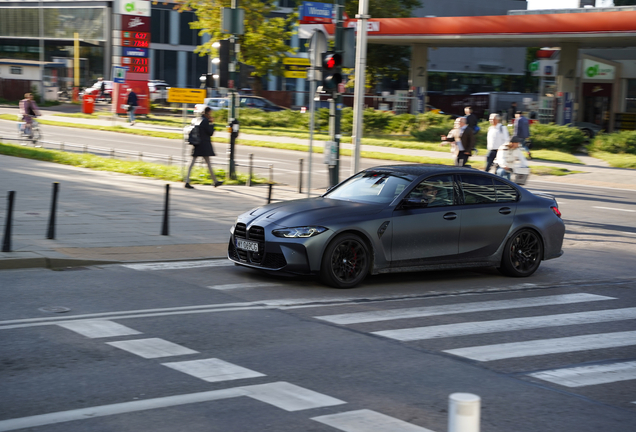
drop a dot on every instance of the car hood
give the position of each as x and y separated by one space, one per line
309 211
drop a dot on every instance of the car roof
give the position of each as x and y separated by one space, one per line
421 169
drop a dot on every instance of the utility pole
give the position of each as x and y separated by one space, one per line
335 103
359 91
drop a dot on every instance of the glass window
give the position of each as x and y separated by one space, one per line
16 70
478 189
59 23
630 100
371 186
505 192
187 36
437 191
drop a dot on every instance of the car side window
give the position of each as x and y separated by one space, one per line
436 191
505 192
478 189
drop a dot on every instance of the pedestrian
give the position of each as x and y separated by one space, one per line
464 139
205 126
132 103
102 87
509 156
522 130
512 112
497 136
471 119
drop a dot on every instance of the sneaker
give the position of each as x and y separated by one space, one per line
188 186
218 183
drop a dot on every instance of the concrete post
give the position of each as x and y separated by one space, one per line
566 79
419 73
463 412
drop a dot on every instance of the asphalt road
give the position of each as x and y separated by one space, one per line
220 348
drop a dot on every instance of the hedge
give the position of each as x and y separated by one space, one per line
619 142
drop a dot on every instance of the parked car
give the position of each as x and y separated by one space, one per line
214 103
260 103
402 218
96 88
589 129
158 91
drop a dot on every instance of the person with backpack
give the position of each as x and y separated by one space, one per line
200 136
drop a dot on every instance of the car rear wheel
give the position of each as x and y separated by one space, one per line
522 255
346 262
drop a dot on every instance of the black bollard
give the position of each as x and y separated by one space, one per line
300 177
269 193
164 229
6 242
51 232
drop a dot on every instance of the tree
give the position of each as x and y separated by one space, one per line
263 43
386 61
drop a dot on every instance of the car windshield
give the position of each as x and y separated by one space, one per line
371 187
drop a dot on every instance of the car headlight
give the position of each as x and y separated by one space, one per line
299 232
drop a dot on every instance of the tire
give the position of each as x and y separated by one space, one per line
522 255
346 261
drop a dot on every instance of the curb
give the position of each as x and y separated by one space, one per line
49 263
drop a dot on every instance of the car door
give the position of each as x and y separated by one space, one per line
488 210
431 233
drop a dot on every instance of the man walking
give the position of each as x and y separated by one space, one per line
522 130
131 101
497 136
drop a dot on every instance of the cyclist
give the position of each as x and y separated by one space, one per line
28 110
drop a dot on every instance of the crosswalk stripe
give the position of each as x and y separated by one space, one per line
99 328
419 312
152 348
481 327
365 420
241 286
178 265
213 370
546 346
279 394
589 375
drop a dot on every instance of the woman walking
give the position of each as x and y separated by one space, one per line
204 148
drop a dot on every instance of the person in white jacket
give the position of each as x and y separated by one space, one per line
497 136
509 156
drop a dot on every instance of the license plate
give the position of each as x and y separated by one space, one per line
247 245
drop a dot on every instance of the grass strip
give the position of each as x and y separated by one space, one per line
621 160
143 169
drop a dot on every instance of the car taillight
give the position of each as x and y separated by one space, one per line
556 211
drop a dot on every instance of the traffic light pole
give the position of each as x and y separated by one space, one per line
233 120
335 103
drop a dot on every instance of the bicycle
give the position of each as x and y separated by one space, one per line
31 132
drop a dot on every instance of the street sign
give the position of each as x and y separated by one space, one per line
119 74
186 95
296 61
295 74
134 52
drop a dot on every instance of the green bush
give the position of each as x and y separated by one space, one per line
619 142
554 137
430 126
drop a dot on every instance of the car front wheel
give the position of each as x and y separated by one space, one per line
522 255
346 261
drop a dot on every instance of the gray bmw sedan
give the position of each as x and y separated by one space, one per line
402 218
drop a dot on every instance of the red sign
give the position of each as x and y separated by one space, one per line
135 23
120 95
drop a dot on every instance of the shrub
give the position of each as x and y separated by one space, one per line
619 142
554 137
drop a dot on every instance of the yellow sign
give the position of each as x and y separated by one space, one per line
186 95
300 61
294 74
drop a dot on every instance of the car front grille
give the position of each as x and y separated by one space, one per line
262 259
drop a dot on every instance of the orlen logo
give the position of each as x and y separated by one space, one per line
134 22
596 70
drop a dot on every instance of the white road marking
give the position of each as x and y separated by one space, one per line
241 286
482 327
213 370
152 348
178 265
615 209
367 421
589 375
280 394
98 328
546 346
290 397
393 314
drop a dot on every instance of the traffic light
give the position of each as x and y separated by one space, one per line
209 81
224 62
331 75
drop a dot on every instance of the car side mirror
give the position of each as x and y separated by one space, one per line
413 203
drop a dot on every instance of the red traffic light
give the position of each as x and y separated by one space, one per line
331 61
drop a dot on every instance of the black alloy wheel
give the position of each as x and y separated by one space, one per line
346 262
523 254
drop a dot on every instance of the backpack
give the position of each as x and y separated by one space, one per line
476 129
191 134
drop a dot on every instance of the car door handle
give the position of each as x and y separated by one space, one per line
505 210
450 216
